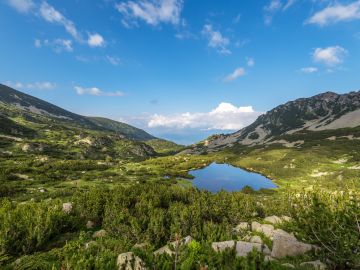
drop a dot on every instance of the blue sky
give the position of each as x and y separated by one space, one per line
181 69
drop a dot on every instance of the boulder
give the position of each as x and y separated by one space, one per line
273 220
90 224
266 229
221 246
285 244
318 265
244 248
166 249
266 250
99 234
67 207
242 226
256 239
128 261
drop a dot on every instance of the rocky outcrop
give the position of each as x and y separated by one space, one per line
266 229
128 261
285 244
222 246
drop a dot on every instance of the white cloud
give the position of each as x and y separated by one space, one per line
58 45
153 12
250 62
36 85
275 6
216 39
96 40
330 56
115 61
224 117
22 6
239 72
50 14
309 70
336 13
62 45
94 91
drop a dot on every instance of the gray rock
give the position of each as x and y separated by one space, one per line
99 234
266 229
288 265
273 220
285 244
67 207
256 239
90 244
221 246
128 261
90 224
242 226
165 249
244 248
266 250
318 265
269 258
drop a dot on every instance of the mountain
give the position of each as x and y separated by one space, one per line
326 111
30 123
122 128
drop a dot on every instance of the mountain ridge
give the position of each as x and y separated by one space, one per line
323 111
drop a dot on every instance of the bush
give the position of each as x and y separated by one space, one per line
332 222
25 228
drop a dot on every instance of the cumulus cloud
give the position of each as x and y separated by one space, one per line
96 40
152 12
224 117
330 56
35 85
239 72
309 70
22 6
336 13
94 91
216 39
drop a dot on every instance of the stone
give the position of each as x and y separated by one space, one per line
273 220
288 265
90 224
99 234
318 265
244 248
285 244
90 244
242 226
221 246
266 229
128 261
67 207
256 239
286 218
165 249
268 258
266 250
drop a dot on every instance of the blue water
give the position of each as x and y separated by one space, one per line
216 177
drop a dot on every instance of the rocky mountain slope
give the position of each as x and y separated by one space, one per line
29 124
326 111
